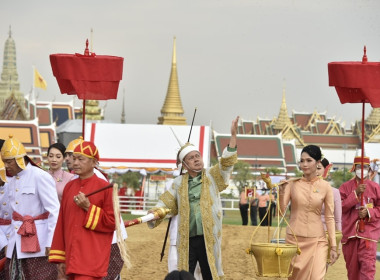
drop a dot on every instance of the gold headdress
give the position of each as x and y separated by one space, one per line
14 149
3 176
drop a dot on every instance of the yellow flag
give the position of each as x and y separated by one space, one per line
39 82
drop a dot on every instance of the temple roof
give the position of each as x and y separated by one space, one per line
261 151
12 109
374 117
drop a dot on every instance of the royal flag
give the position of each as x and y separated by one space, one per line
39 82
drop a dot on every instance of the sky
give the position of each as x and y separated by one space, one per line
234 57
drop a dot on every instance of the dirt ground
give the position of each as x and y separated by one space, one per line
145 248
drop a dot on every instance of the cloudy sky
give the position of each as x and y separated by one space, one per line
233 56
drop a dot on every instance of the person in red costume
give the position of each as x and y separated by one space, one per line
82 238
359 248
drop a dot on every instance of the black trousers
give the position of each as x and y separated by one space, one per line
197 253
244 213
253 215
262 211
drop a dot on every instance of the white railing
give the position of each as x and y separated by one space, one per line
130 204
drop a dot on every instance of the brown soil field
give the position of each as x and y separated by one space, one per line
144 246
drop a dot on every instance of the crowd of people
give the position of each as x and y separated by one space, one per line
49 228
55 224
262 203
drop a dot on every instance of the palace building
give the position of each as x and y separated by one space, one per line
263 143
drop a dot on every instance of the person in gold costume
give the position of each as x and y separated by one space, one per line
194 196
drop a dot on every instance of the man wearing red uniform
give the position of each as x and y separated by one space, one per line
82 238
359 248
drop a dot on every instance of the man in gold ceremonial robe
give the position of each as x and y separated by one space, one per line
194 197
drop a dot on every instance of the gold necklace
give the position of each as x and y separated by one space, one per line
58 179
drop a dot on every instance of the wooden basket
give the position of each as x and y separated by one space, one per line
273 260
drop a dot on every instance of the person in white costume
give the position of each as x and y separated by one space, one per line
5 214
195 198
35 205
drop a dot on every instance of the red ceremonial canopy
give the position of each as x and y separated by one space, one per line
357 82
89 76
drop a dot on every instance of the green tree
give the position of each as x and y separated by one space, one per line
243 174
133 179
340 176
273 170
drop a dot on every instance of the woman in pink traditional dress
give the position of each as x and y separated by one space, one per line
323 170
55 159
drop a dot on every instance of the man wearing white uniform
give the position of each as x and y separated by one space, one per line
35 205
5 215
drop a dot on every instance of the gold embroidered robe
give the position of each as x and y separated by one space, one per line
214 180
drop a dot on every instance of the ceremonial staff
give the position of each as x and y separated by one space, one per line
170 219
99 190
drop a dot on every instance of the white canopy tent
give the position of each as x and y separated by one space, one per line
144 147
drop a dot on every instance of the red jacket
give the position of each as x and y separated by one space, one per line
83 239
350 212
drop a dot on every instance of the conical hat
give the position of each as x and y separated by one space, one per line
184 150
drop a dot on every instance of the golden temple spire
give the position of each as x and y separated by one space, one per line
93 111
9 83
283 117
172 110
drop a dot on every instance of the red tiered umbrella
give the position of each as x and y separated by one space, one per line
89 76
357 82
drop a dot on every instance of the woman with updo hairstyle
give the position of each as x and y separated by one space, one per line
55 156
307 195
323 170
